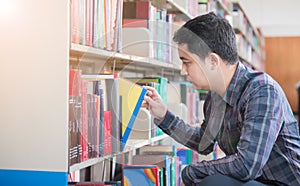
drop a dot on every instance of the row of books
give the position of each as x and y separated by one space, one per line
102 110
191 6
241 22
157 165
247 54
152 165
147 31
97 23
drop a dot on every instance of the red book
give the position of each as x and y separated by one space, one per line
135 23
89 22
143 9
84 121
107 133
75 20
74 82
96 129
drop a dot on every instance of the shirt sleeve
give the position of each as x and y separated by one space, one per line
262 122
183 133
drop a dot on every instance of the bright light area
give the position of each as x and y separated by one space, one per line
6 8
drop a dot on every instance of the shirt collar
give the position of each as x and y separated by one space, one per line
236 85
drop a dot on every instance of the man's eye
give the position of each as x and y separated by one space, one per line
186 63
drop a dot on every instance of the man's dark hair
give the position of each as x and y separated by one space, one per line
209 33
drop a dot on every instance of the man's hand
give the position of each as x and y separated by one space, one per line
154 104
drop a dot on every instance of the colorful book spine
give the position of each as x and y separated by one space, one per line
137 175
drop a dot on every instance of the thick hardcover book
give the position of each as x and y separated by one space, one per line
74 116
107 133
143 9
129 10
113 104
75 21
132 98
84 122
137 175
91 115
89 22
135 23
73 134
98 88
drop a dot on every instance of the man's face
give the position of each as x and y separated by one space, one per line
196 70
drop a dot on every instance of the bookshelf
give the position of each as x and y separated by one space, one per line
92 60
249 40
43 55
34 92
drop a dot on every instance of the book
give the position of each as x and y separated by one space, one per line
143 9
75 21
129 10
162 161
137 175
84 122
132 98
99 91
74 116
135 23
114 105
89 22
161 85
107 133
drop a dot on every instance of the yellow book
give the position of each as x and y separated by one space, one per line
132 96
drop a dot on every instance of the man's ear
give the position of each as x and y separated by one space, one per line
215 60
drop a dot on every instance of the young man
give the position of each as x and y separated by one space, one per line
245 111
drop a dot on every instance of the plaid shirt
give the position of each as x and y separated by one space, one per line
259 133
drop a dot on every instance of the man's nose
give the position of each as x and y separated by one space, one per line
183 71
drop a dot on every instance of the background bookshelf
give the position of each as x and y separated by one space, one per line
249 39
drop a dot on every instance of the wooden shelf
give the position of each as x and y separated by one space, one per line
86 54
130 146
223 7
175 8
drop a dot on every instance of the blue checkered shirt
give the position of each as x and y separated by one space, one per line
259 133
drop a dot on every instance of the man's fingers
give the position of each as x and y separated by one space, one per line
149 100
151 91
145 104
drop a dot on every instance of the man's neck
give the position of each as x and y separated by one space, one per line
227 72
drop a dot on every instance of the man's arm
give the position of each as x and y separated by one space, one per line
183 133
174 126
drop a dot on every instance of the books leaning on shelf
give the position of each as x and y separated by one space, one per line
102 110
